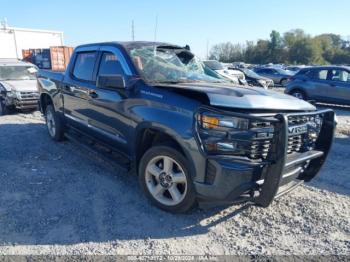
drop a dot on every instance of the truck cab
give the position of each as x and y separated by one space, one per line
189 137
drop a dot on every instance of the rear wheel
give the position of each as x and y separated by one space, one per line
54 124
165 179
299 94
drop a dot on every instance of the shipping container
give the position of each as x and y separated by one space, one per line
55 58
60 56
27 55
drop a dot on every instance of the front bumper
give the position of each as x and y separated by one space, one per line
25 104
231 179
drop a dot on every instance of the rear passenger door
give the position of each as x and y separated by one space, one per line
77 85
339 81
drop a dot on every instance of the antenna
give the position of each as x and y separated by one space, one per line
132 31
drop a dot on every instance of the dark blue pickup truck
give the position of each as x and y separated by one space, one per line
191 138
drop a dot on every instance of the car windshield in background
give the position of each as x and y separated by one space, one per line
214 65
17 73
167 64
251 73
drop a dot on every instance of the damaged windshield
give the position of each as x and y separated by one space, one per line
169 64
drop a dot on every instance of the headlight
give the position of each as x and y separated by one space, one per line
15 94
222 122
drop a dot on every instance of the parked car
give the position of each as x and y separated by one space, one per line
329 84
235 76
254 79
295 69
18 88
279 76
190 137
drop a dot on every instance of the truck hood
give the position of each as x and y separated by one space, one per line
20 85
226 95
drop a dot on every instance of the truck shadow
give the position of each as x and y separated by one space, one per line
56 193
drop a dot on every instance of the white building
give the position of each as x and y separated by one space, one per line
14 40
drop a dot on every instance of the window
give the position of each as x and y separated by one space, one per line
110 65
84 65
339 75
318 74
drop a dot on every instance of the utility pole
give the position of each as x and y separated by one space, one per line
207 49
132 31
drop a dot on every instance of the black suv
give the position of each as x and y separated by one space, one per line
190 137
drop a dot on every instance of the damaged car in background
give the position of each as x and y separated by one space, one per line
18 86
191 138
234 76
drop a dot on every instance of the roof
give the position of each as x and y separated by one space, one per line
327 67
134 44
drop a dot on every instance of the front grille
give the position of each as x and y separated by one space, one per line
259 149
295 144
29 95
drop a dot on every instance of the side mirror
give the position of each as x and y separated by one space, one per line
111 81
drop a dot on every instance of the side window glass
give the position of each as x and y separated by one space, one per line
322 74
110 65
339 75
84 65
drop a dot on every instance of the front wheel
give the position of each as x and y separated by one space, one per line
298 94
165 179
3 108
54 124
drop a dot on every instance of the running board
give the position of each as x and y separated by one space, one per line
100 150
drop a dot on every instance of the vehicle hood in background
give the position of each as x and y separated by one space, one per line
232 96
20 85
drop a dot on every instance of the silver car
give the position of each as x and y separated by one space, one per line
279 76
329 84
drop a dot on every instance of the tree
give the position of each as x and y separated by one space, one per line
294 47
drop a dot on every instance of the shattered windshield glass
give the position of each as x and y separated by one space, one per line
169 64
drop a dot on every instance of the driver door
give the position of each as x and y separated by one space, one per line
107 115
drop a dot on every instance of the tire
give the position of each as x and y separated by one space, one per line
3 108
54 124
156 179
298 94
284 82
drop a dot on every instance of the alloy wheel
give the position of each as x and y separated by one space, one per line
166 180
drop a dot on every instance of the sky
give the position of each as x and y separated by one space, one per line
182 22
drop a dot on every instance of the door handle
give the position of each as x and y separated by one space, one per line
332 84
93 94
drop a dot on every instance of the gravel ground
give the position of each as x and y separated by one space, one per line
56 198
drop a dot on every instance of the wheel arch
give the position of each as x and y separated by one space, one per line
45 100
148 136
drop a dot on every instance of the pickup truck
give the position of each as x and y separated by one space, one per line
191 138
18 88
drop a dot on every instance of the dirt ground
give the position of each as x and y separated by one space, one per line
56 198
